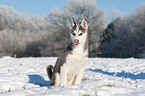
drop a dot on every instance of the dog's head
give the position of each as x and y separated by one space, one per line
78 32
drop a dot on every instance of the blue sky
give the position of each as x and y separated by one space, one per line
43 7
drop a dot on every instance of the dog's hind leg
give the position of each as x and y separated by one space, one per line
63 75
57 81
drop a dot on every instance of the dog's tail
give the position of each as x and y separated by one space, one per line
49 71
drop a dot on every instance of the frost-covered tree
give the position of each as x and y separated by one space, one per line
78 9
127 37
18 30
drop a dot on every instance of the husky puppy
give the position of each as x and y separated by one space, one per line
70 65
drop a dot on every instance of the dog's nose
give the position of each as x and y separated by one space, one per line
77 41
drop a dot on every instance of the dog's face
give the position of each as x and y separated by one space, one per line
78 32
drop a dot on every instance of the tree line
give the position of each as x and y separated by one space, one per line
23 36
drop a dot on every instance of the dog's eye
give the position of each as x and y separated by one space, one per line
74 34
80 34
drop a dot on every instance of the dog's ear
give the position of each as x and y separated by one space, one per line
84 24
72 23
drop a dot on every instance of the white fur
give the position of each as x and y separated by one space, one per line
57 80
63 75
72 70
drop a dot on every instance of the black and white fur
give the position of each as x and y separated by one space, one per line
70 65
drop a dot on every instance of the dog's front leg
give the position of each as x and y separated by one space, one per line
79 76
63 75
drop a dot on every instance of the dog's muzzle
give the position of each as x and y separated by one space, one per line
76 42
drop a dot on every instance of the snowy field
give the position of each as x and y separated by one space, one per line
102 77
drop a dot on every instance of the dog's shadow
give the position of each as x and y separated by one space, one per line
38 80
121 74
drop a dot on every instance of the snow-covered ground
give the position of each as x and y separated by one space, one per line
102 77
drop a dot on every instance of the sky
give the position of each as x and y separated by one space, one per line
43 7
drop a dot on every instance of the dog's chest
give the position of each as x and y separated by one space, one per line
74 62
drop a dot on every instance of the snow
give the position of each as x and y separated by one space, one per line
102 77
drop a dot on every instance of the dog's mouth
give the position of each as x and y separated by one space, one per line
76 42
